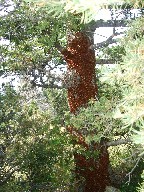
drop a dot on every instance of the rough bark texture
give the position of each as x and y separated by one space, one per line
80 60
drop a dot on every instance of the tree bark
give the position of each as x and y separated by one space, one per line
81 62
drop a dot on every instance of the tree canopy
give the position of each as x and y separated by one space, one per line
36 150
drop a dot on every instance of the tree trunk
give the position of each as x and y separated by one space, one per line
80 58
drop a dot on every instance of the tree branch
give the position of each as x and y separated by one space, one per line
47 80
130 173
118 142
109 23
105 61
108 41
45 85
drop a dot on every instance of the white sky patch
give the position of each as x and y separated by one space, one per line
11 78
102 33
4 41
8 8
103 14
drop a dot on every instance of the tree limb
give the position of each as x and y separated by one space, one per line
105 61
108 41
45 85
108 23
118 142
51 81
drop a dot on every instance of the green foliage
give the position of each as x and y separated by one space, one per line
36 146
138 138
96 121
57 102
114 53
32 36
141 187
136 30
35 141
135 179
129 76
87 9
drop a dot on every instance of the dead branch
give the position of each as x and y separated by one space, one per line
130 173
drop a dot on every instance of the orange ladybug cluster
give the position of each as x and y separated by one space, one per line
80 58
94 171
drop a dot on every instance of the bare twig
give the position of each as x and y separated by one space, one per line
130 173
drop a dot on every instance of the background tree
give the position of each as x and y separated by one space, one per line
32 53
